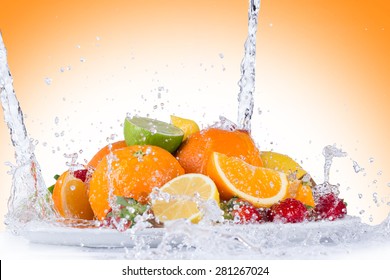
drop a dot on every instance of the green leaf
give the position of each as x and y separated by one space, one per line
51 189
122 201
56 177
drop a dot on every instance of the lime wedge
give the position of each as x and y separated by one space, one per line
146 131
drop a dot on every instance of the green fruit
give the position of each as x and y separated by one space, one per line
145 131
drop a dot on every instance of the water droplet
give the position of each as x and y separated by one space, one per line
371 160
375 197
388 184
221 56
56 120
72 187
56 134
271 24
97 38
155 107
82 59
148 151
379 173
362 212
78 46
48 81
62 69
356 167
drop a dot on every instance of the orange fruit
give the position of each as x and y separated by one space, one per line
194 153
105 151
258 185
305 195
70 197
134 172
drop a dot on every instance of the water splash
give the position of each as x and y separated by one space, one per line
248 66
27 200
329 152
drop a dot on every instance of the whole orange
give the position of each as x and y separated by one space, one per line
195 152
105 151
131 172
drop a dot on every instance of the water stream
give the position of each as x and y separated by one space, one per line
248 67
27 201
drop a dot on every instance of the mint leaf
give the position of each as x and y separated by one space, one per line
51 189
122 201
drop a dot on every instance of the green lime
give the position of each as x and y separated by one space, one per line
145 131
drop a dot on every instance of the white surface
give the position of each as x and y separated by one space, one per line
16 247
344 239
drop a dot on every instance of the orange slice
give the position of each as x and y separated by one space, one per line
305 195
70 197
258 185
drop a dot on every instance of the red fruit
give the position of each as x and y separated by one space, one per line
246 213
330 207
288 211
81 174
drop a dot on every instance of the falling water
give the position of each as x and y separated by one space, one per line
27 201
248 66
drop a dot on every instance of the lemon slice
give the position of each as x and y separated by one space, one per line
146 131
258 185
183 193
188 126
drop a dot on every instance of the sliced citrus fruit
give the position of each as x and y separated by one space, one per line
183 192
283 163
194 153
70 197
188 126
305 195
146 131
258 185
131 172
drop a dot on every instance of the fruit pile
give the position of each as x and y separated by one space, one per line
167 171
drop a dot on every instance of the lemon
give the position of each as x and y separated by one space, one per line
146 131
282 163
188 126
184 192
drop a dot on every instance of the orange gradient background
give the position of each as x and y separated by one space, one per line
323 70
